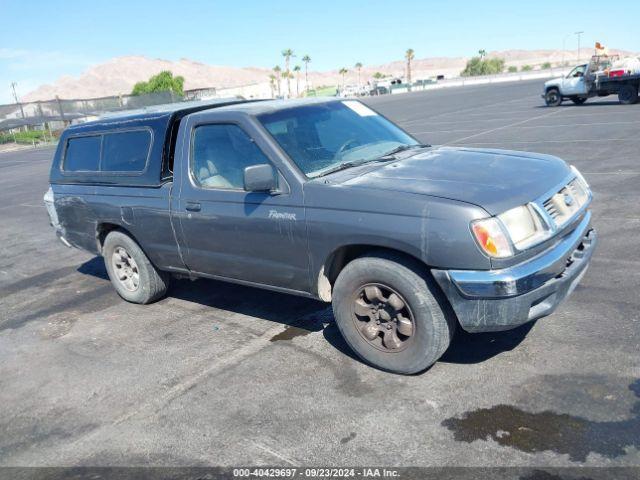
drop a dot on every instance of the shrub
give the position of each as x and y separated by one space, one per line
526 68
546 65
479 66
513 69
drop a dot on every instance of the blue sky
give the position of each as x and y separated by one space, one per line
47 39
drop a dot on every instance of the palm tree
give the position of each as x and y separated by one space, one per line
306 59
297 70
277 71
358 67
287 54
409 55
482 53
343 71
272 84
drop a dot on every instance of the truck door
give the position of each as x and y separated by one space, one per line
256 237
574 83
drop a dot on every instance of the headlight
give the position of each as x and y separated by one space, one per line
524 225
491 237
579 176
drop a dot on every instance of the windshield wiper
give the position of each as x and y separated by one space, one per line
401 148
340 166
384 158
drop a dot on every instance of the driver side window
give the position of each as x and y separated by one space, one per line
577 72
219 155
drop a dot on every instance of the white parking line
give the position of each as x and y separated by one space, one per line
505 126
596 140
563 125
274 453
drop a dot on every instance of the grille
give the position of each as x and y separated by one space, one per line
563 205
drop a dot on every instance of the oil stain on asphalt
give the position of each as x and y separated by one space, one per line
529 432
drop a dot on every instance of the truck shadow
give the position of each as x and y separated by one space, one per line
593 103
303 316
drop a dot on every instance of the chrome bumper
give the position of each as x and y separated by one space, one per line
492 300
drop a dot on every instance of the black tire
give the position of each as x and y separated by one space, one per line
578 100
434 323
151 283
553 98
628 94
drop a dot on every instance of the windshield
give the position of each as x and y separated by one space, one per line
320 137
577 71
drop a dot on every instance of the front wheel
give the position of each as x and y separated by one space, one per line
553 98
391 313
628 94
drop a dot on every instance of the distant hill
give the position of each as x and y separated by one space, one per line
118 75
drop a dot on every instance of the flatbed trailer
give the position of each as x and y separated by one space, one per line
625 86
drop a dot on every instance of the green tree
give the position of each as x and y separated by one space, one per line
287 54
272 84
277 73
546 65
297 70
162 82
482 53
513 69
526 68
409 55
343 71
378 75
358 67
306 59
478 66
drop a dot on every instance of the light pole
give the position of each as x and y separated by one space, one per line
564 43
15 96
578 34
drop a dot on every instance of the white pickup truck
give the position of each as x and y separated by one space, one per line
583 82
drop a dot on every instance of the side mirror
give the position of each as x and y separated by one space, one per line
259 178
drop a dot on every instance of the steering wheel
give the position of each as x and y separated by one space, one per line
345 146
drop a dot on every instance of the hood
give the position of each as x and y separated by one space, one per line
553 81
495 180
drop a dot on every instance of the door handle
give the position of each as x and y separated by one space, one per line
193 206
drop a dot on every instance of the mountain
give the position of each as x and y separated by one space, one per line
118 75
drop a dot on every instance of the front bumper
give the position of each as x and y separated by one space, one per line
494 300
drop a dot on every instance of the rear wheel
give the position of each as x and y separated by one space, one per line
391 313
132 274
578 100
553 98
628 94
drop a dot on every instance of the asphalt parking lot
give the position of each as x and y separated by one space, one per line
217 374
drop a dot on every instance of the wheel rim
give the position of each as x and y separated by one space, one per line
125 269
552 97
383 317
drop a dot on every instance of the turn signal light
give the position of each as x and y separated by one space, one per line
491 238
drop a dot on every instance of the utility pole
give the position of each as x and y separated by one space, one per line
578 34
564 47
15 96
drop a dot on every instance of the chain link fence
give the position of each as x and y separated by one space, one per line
55 115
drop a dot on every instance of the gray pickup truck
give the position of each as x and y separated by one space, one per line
327 199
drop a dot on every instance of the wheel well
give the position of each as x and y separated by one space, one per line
339 258
552 87
103 229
